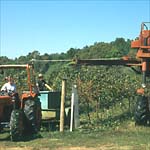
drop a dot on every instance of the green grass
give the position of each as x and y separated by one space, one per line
125 137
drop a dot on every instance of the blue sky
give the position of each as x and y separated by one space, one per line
56 26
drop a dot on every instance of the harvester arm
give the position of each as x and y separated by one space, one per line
108 62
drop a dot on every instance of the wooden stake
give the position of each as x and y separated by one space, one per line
62 107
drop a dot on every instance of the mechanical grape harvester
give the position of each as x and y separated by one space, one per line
142 44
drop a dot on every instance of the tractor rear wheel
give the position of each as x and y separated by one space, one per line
16 125
141 111
32 110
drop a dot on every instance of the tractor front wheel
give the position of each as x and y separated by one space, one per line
16 125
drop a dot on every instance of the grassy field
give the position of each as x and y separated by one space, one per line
126 137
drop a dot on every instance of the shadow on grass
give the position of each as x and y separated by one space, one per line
30 137
5 136
109 122
114 120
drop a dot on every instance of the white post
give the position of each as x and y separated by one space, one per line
72 110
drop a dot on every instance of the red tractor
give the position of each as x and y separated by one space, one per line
20 111
142 44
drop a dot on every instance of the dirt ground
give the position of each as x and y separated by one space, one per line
101 147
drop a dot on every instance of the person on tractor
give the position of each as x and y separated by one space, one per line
10 89
9 86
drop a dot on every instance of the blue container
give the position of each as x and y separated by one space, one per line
50 100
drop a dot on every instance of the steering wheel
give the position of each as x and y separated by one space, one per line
6 93
3 93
